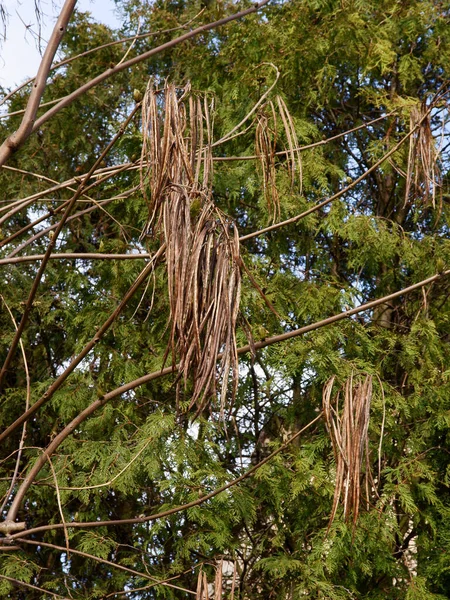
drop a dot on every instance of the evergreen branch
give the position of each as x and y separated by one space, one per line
61 512
88 347
40 462
115 565
137 59
113 479
28 124
52 243
176 509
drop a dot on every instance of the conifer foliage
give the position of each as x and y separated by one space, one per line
225 315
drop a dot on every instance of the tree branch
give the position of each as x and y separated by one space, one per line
168 370
74 255
176 509
67 61
36 282
28 124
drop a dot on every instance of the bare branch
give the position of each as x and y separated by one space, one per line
137 59
74 255
67 61
28 122
110 564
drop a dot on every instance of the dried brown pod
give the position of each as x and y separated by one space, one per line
267 138
202 586
423 173
347 420
202 245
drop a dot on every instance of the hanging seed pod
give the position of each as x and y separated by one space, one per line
348 428
202 245
423 173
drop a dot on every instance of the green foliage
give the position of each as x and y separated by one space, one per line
341 65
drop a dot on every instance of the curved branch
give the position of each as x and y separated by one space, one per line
176 509
67 61
40 462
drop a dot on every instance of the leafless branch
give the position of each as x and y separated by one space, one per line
28 122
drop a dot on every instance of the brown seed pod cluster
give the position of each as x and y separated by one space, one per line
202 245
347 420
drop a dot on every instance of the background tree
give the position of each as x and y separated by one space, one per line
316 133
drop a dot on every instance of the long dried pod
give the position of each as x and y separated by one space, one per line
174 154
267 138
266 147
348 430
218 581
206 327
294 156
202 592
423 173
202 246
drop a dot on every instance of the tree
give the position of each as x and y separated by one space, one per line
272 190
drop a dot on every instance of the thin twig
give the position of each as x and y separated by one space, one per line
27 405
58 499
103 561
113 479
77 215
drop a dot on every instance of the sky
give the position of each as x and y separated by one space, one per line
19 55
